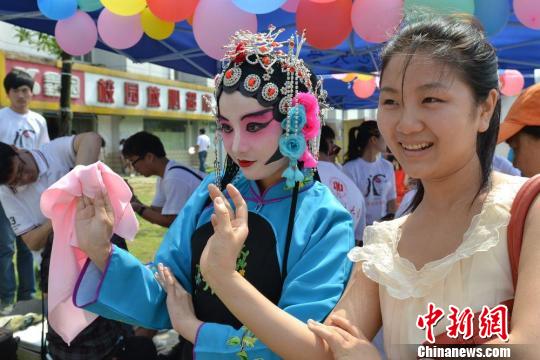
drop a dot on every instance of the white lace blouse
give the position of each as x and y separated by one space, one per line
476 274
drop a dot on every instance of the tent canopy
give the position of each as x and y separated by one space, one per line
517 46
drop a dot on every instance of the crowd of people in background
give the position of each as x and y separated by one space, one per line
371 187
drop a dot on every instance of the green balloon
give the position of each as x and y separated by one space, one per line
441 7
89 5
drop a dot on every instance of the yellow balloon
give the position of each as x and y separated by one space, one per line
364 77
124 7
155 27
349 77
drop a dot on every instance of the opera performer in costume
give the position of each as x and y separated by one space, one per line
268 116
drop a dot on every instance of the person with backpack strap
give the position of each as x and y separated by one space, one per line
175 182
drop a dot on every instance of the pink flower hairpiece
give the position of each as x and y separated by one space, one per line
311 106
310 130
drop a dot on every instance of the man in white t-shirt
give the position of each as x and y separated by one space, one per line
203 143
25 129
25 175
340 184
175 182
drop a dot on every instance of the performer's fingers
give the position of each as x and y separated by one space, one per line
80 204
160 281
160 276
107 204
214 192
86 200
161 272
169 278
174 285
239 203
99 202
223 222
84 210
346 325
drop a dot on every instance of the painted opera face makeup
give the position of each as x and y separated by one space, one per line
251 136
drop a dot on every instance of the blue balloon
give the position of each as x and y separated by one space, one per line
259 6
58 9
493 14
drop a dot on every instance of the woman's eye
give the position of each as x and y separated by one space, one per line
226 128
254 127
430 100
389 102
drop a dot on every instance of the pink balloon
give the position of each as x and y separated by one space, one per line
528 12
376 21
290 6
512 82
215 21
119 32
364 88
76 35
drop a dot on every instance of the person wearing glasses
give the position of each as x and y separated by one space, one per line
26 129
175 184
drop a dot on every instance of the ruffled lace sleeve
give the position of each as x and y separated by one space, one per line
381 261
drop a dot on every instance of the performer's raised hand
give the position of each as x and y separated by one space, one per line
94 221
179 304
230 231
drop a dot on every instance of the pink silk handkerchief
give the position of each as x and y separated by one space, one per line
59 203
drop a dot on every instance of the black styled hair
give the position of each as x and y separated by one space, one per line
458 42
202 131
17 78
359 137
327 133
7 153
143 143
532 130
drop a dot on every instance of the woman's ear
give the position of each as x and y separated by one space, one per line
486 110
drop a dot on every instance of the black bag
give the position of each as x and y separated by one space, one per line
8 345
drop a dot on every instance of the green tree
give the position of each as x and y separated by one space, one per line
47 43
